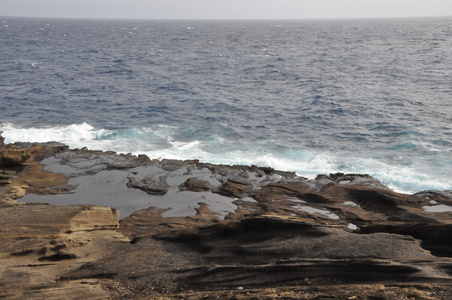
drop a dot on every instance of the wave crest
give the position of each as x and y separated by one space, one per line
170 142
64 134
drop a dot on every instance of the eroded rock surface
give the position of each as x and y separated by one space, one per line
201 231
196 185
149 185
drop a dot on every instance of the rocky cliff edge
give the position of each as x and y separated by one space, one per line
120 226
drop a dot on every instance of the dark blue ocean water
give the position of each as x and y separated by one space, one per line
367 96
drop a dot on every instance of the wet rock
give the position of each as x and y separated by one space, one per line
352 179
173 165
235 188
195 185
149 185
283 236
85 162
439 196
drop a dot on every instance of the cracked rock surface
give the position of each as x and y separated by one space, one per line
80 224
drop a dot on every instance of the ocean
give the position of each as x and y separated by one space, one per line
312 96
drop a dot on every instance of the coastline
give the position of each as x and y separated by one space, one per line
195 230
401 171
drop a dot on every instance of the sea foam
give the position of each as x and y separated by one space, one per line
167 142
66 134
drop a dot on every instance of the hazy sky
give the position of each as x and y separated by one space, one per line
225 9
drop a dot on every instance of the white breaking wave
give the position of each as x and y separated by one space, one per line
65 134
160 142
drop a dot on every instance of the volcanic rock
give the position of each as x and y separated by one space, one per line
235 188
13 157
195 185
212 231
354 179
6 176
50 240
149 185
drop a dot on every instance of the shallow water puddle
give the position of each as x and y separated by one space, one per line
352 226
438 208
108 188
350 203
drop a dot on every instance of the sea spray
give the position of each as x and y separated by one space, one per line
160 142
355 96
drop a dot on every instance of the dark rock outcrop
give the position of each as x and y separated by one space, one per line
195 185
149 185
229 232
235 188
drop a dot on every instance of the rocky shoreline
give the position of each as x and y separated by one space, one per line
81 224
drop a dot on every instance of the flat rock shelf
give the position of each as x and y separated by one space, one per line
81 224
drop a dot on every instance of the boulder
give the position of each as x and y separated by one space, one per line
149 185
235 188
195 185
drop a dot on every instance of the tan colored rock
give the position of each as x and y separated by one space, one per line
39 243
335 237
95 218
13 157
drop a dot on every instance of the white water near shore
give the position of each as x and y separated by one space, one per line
160 143
360 96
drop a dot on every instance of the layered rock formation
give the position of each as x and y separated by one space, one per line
130 227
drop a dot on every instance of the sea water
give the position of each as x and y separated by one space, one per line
314 97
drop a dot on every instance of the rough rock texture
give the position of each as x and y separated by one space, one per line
213 232
39 242
195 185
13 157
149 185
235 188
